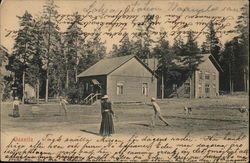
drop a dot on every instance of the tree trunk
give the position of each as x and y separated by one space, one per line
1 97
162 86
58 87
232 86
76 74
67 79
37 91
2 86
230 79
48 53
47 87
23 87
190 83
245 80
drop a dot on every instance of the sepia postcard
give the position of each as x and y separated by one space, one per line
124 81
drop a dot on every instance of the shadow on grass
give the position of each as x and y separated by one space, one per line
207 119
90 132
56 115
141 124
11 115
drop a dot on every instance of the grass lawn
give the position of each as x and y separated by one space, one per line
208 116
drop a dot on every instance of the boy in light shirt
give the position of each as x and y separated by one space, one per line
63 103
157 113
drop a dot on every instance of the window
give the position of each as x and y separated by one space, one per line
214 76
200 89
119 88
214 88
145 89
87 86
207 88
187 88
207 76
200 75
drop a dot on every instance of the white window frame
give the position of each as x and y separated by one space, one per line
214 76
87 86
200 75
207 87
145 89
120 88
207 74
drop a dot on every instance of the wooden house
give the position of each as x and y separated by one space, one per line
123 79
203 83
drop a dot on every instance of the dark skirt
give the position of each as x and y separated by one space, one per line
16 111
107 126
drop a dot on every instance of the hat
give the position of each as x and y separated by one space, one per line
153 99
105 97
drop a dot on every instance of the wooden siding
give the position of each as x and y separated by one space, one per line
208 68
198 85
132 88
132 75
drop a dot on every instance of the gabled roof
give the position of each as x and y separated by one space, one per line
153 63
216 64
108 65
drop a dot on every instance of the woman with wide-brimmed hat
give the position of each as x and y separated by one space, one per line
107 126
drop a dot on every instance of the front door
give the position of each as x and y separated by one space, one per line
97 88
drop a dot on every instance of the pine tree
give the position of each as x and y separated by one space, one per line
178 47
235 56
74 50
51 37
166 65
35 71
3 54
191 53
144 41
212 44
3 58
126 47
23 50
114 52
229 66
242 28
94 50
191 58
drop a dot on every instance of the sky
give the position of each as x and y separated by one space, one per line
171 16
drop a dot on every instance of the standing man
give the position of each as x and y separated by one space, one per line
63 103
157 113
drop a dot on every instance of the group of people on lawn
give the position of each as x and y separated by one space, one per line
107 125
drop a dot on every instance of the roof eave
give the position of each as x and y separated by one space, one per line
215 61
153 73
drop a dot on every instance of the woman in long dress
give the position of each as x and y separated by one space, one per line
107 126
16 104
